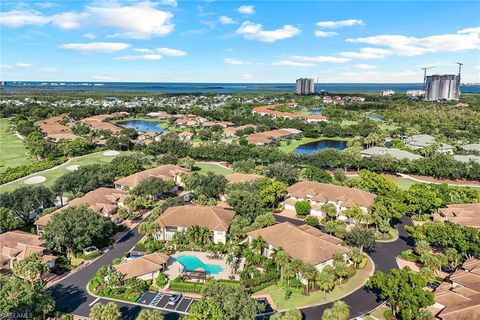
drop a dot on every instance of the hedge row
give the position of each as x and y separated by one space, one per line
15 173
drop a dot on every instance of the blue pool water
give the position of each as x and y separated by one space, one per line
316 111
311 147
142 125
192 263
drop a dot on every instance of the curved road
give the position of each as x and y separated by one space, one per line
71 296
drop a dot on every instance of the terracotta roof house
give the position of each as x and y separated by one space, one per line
458 297
259 139
319 194
272 136
53 129
232 131
185 136
300 242
238 177
166 172
146 267
268 111
104 201
467 215
17 245
179 219
99 122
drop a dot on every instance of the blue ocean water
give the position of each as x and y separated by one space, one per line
170 87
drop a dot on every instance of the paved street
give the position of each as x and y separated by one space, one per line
71 296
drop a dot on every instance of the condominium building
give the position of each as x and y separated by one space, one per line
305 86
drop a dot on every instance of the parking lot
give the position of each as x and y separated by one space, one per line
160 300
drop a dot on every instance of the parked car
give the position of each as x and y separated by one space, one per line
174 299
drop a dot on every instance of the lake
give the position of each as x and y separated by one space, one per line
316 111
142 125
375 117
311 147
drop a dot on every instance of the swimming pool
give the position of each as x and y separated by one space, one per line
192 263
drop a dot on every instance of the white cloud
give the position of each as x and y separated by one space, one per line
325 34
48 70
143 50
246 9
139 21
68 20
363 66
254 31
19 18
96 46
235 61
367 53
141 57
101 78
226 20
5 66
171 52
329 59
89 36
23 65
463 40
290 63
247 76
339 23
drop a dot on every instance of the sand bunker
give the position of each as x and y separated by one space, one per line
35 180
111 153
73 167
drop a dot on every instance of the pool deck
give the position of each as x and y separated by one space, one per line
174 268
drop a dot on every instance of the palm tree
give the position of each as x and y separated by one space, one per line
325 280
296 266
288 272
341 310
281 259
328 315
257 245
309 272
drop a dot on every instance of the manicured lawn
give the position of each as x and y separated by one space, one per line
299 300
289 148
403 183
12 150
52 175
212 167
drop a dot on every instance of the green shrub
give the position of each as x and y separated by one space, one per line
303 207
312 221
10 174
161 280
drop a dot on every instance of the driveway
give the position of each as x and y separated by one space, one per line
362 300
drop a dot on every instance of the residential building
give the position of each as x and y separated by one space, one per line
166 172
420 141
393 152
386 93
273 136
304 242
467 215
442 87
319 194
52 128
100 122
458 296
18 245
238 177
232 131
179 219
103 201
146 267
159 115
185 136
268 110
305 86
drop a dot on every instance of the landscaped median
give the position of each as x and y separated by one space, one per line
297 299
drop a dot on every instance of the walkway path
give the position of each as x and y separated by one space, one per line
452 184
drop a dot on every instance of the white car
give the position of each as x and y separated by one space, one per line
174 299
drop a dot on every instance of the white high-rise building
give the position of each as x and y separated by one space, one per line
305 86
442 87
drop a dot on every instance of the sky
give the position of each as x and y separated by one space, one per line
237 41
